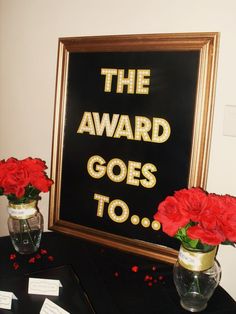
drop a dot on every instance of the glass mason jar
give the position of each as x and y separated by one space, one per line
25 225
196 275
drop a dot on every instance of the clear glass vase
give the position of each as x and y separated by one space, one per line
196 275
25 225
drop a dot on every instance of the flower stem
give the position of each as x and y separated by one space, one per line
196 280
29 230
21 231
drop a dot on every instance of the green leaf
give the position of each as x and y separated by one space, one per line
193 243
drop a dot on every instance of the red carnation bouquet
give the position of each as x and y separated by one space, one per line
22 181
200 220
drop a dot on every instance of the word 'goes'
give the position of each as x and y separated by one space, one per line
97 168
156 131
141 80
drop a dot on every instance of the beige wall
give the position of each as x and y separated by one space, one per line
29 31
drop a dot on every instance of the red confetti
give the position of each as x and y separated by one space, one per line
160 277
38 256
12 257
146 278
50 258
155 281
134 269
16 266
43 252
150 284
32 260
116 274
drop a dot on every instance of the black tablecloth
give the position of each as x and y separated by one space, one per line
115 282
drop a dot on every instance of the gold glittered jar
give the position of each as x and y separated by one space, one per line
196 275
25 225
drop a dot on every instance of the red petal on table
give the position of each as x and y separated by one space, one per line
32 260
16 266
12 257
134 269
160 277
146 278
38 256
43 252
116 274
51 258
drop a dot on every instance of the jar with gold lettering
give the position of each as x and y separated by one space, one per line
25 225
196 275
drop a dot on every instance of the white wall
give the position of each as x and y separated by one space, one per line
29 31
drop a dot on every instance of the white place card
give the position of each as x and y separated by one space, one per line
6 299
44 286
50 307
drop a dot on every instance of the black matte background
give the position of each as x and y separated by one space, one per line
172 93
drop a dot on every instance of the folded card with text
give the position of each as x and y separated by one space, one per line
50 307
6 298
44 286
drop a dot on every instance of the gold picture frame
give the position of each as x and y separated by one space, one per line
80 61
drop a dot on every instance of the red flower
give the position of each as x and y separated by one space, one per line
40 182
193 202
13 177
23 178
38 177
206 236
197 215
34 165
227 218
209 216
171 216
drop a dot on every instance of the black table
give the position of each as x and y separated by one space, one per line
115 282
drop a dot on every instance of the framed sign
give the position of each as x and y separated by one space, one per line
132 124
